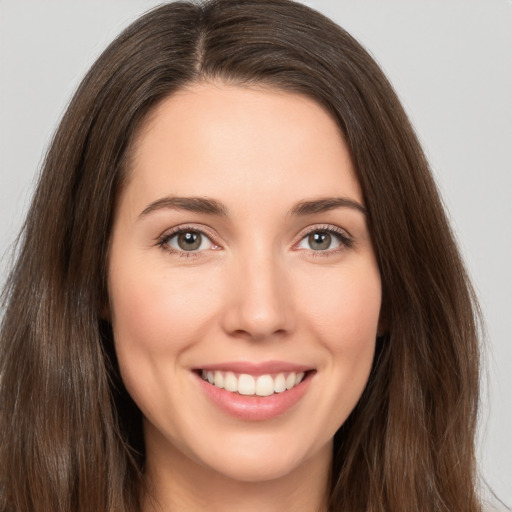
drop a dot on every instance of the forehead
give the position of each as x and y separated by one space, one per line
233 142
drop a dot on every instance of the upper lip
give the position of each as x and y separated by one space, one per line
256 368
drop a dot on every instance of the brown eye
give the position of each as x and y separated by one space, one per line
320 240
325 240
189 240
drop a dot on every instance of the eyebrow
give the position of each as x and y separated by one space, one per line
190 204
214 207
324 205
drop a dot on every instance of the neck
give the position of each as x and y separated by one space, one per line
176 483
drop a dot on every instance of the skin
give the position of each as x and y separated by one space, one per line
256 290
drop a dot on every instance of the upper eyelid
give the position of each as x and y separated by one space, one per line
208 231
168 233
331 228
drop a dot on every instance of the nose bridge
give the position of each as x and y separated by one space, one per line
259 304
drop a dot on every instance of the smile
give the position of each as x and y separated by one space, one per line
255 391
246 384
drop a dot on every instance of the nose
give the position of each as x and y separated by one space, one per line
259 303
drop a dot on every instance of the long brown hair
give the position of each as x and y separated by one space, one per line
70 437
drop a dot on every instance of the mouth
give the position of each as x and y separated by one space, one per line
254 385
252 391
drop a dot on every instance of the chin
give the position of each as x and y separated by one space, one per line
262 460
256 469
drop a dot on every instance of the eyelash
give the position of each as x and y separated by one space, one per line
164 240
346 241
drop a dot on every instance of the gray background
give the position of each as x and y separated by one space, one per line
451 63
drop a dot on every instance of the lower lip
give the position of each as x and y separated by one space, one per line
255 408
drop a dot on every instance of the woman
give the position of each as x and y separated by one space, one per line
237 288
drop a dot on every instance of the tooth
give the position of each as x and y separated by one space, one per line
246 384
230 382
219 380
264 385
280 383
290 380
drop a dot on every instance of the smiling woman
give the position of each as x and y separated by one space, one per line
269 289
237 288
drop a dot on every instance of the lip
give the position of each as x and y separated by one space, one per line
255 408
256 369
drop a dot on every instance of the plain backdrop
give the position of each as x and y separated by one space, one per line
451 64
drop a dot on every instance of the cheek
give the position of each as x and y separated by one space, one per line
157 310
345 306
156 315
341 311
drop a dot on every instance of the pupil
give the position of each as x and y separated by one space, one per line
320 241
189 241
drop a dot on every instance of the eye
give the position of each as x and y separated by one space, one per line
324 240
187 240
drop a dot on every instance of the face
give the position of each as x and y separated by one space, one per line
244 289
